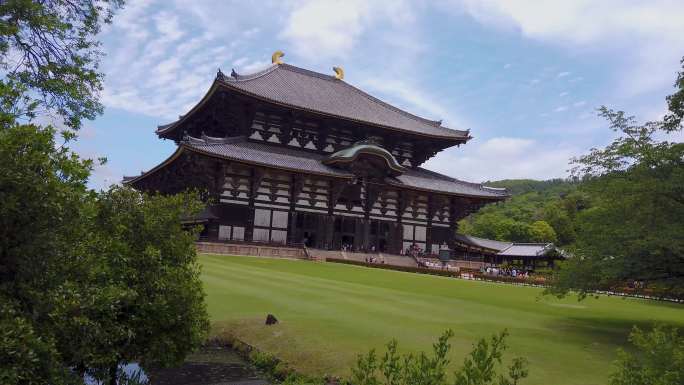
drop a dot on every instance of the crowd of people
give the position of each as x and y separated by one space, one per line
380 260
505 272
413 250
434 264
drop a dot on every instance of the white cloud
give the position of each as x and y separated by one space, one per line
560 108
563 94
649 35
507 66
327 28
254 66
503 158
414 99
563 74
579 104
163 58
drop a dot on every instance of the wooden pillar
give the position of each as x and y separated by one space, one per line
453 225
292 233
428 229
401 207
255 182
358 233
367 205
334 191
219 181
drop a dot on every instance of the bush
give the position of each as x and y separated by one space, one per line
479 367
659 358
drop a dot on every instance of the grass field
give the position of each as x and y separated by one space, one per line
331 312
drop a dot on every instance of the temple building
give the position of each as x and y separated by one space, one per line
491 252
291 156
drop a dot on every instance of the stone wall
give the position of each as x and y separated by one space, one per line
250 250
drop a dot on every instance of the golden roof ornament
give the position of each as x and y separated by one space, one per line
275 58
339 73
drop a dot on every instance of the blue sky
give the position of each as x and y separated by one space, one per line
525 77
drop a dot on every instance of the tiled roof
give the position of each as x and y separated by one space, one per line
482 242
300 88
510 249
430 180
527 249
242 150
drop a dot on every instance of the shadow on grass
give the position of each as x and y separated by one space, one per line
605 331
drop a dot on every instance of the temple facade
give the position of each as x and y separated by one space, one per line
292 156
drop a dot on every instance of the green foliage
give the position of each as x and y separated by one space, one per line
675 104
152 261
295 379
658 359
523 186
27 358
541 231
539 211
479 368
263 361
54 55
95 280
88 281
633 231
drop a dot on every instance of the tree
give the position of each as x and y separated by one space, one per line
151 259
633 230
675 105
42 223
541 231
50 54
555 202
560 222
87 280
659 358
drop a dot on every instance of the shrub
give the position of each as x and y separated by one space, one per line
480 367
659 358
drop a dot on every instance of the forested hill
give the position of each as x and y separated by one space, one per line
521 186
538 211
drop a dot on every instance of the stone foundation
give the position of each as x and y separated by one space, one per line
250 250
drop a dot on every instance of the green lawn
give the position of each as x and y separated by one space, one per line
330 312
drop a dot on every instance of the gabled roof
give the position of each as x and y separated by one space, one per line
527 249
510 249
291 159
482 242
303 89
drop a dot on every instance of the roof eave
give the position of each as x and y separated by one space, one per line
163 130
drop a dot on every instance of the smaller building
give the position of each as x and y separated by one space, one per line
529 255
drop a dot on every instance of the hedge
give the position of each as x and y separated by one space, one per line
408 269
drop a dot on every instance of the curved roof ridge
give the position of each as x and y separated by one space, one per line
207 140
251 76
